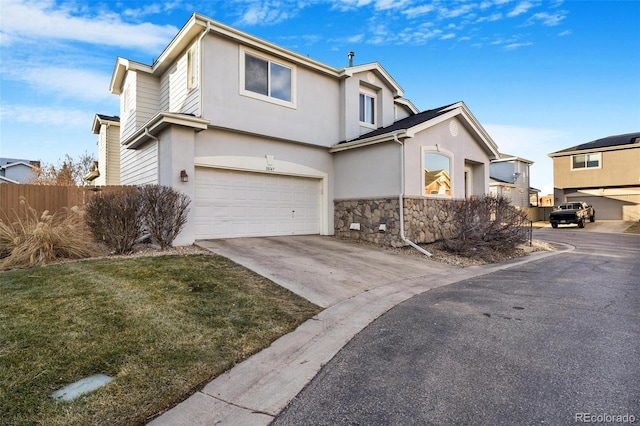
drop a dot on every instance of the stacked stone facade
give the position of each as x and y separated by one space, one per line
425 220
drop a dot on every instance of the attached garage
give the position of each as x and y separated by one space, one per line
230 204
613 204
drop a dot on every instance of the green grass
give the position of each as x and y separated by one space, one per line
134 319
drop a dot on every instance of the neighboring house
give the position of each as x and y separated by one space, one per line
510 178
106 171
604 173
269 142
14 170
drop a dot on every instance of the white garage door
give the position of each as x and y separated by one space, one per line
241 204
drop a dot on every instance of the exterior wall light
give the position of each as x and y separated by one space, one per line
184 177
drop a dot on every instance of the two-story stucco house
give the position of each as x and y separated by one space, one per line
266 141
604 173
510 178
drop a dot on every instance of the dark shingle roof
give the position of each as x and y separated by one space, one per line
626 139
406 123
109 117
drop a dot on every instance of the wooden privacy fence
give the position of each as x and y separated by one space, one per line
48 197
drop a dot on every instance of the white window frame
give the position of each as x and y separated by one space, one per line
269 59
445 153
368 94
586 167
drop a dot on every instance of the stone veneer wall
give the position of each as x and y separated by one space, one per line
424 220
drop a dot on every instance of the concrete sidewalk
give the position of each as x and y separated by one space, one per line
256 390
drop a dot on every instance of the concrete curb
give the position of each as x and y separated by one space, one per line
256 390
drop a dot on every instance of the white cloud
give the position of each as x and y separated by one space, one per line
414 12
565 33
548 19
268 13
49 116
522 7
490 18
513 46
68 82
28 20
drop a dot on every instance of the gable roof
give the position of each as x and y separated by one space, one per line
100 119
409 126
509 157
602 144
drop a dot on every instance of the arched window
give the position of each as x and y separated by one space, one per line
436 174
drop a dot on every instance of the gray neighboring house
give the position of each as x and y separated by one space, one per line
13 170
267 142
511 178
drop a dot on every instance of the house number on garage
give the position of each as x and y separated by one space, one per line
270 166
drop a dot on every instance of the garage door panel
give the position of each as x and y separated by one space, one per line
241 204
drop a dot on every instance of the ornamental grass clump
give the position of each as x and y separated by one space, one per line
30 238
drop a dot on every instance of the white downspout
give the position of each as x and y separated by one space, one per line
200 60
401 201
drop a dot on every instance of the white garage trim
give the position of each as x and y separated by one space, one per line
270 165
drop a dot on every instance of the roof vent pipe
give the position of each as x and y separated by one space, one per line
351 55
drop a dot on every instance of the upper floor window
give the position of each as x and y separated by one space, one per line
192 68
436 173
585 161
367 108
268 80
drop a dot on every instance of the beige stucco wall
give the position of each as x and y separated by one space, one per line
372 171
618 168
462 148
314 120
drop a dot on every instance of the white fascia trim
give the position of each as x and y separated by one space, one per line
506 159
593 150
275 167
460 109
387 137
160 121
120 71
193 28
17 163
97 122
374 66
6 179
406 102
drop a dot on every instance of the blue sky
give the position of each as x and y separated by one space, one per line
540 76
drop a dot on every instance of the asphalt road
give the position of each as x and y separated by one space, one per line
553 342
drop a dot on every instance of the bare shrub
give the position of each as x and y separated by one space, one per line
488 223
115 220
164 210
31 238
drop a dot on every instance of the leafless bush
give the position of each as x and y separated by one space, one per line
30 238
485 223
115 220
164 210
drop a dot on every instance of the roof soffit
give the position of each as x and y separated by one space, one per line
376 68
461 111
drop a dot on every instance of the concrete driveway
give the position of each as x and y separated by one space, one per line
356 283
606 226
324 270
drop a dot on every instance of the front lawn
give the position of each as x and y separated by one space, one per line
160 326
